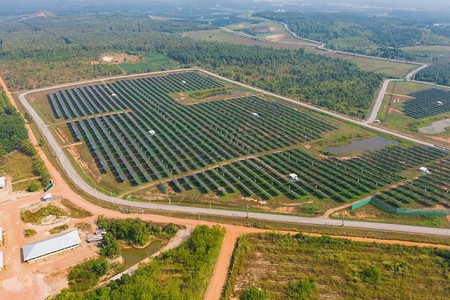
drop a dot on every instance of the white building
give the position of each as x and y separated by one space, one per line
47 197
114 95
151 132
1 235
293 176
424 171
51 245
255 115
439 103
2 182
183 81
1 260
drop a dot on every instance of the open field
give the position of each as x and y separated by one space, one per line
280 266
390 68
274 35
152 62
409 106
230 152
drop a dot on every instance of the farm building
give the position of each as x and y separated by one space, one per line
255 115
424 171
439 103
293 176
151 132
1 235
98 236
114 95
51 245
2 182
1 260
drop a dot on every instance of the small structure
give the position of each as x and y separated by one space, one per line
1 236
293 177
113 95
439 103
2 182
51 245
377 121
151 132
424 171
97 237
47 197
1 260
255 115
183 81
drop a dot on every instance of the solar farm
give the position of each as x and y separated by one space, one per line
242 146
428 103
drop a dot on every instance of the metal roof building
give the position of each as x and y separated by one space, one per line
2 182
51 245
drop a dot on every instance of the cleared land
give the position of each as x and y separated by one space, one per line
282 266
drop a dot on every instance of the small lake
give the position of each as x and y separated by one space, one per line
435 127
372 143
228 93
132 255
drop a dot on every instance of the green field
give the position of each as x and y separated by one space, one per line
276 266
153 62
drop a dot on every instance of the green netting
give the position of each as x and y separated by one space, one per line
440 212
409 211
361 203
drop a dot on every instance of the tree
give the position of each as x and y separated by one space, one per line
33 187
41 142
28 148
28 117
111 247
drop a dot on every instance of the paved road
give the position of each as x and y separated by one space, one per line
321 46
75 177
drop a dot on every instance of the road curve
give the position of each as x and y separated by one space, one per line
76 178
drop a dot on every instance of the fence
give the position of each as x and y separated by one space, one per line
400 211
361 203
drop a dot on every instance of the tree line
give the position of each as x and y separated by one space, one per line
376 36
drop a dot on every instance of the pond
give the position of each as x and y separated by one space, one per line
435 127
372 143
132 256
228 93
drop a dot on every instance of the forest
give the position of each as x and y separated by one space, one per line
53 50
376 36
438 72
179 273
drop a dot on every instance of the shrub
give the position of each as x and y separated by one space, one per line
301 289
58 229
87 274
371 275
29 232
33 187
253 294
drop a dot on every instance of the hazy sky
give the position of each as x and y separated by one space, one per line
27 6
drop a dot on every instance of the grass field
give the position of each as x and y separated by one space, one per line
393 69
153 62
281 39
17 165
277 266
